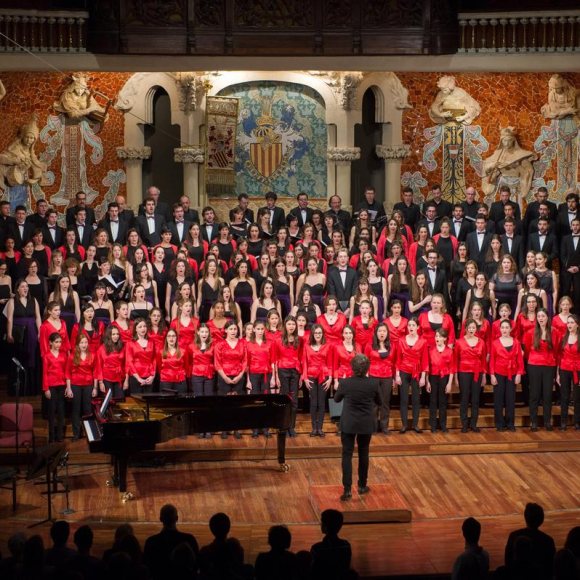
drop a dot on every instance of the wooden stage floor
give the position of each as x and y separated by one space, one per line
443 478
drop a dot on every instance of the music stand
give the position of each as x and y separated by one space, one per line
45 464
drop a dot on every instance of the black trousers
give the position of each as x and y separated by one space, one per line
289 380
385 389
568 392
202 386
438 401
541 379
407 381
470 392
118 392
317 403
363 443
56 413
81 406
236 389
504 402
136 387
180 386
260 383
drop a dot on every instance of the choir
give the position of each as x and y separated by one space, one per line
266 307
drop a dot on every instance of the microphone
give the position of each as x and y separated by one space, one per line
18 364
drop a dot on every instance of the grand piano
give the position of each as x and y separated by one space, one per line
123 430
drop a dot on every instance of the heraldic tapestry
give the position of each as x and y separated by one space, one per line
281 139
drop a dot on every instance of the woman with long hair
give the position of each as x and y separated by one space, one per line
399 284
157 328
439 380
504 313
102 304
390 235
305 305
308 236
434 319
185 324
363 221
418 248
266 302
446 244
143 278
122 321
201 356
179 273
134 243
172 364
378 287
471 364
332 320
254 243
160 276
41 252
238 225
81 382
225 243
344 352
568 373
77 283
317 376
283 286
232 311
102 246
314 281
532 286
138 306
456 272
303 328
464 285
382 356
506 367
5 285
218 322
483 326
328 227
542 347
244 291
54 364
197 248
294 232
169 249
560 320
287 366
364 326
483 294
526 320
118 268
548 281
138 262
11 256
362 293
263 220
141 359
396 323
292 268
493 257
420 295
52 323
56 268
208 287
506 283
36 284
111 364
70 248
390 263
530 263
69 301
89 327
89 272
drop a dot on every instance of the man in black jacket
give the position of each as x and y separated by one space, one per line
511 243
544 241
570 265
302 212
71 212
115 227
342 281
533 209
442 206
411 210
38 218
357 422
149 224
341 217
478 242
460 226
496 211
52 234
375 208
569 212
161 208
189 215
277 214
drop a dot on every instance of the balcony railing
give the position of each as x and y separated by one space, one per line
43 31
519 32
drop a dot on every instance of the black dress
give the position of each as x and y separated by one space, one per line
316 294
208 297
90 275
139 313
243 296
42 258
39 292
255 248
161 281
283 294
103 315
225 251
196 253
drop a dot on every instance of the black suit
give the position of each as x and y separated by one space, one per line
87 237
473 250
444 208
214 232
470 210
161 208
59 237
563 223
533 212
550 246
358 420
533 227
500 228
411 212
191 215
436 226
569 282
517 252
36 220
175 239
440 286
497 213
278 220
128 217
121 233
343 292
298 213
27 233
464 228
150 240
71 215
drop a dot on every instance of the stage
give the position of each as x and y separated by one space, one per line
441 478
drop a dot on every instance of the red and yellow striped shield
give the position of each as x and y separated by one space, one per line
266 159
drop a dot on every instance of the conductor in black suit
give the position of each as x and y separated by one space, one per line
357 422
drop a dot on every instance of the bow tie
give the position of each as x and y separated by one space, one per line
509 237
572 212
342 269
576 235
114 221
481 233
80 225
179 222
457 221
151 217
432 269
52 227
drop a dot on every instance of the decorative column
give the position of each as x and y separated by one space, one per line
133 158
393 157
191 157
342 157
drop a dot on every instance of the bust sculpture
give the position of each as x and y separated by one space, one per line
76 101
509 162
562 99
19 164
453 104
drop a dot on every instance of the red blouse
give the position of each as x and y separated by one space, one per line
94 340
46 329
111 366
483 332
441 364
140 361
341 361
428 334
54 369
570 359
504 362
413 360
382 367
543 356
363 333
185 333
172 368
83 374
217 334
286 357
158 339
259 357
558 325
231 361
201 362
317 364
333 333
126 335
471 359
523 325
496 328
396 333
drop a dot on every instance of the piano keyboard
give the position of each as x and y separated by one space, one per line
93 430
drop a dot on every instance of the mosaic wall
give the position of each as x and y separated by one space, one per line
511 99
281 140
95 167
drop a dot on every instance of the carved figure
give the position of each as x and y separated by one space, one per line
453 104
511 162
562 99
77 101
18 162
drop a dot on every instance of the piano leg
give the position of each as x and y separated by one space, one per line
282 451
114 481
123 462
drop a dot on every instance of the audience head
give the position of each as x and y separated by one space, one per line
219 525
168 515
471 530
534 515
331 521
83 539
279 538
59 531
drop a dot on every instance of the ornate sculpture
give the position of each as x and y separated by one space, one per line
343 155
509 163
19 164
453 104
562 99
392 153
191 154
77 101
133 153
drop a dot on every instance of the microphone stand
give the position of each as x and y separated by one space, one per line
17 418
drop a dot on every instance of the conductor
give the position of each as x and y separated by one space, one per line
358 422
